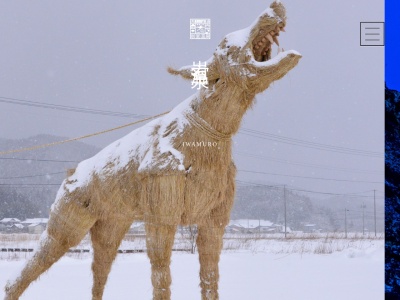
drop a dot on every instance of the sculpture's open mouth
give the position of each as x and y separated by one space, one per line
262 43
248 52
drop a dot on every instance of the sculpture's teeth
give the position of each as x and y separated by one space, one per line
269 37
262 45
276 40
280 50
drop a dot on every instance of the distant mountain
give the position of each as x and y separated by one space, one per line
267 203
35 176
29 182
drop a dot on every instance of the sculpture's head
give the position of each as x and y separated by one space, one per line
244 57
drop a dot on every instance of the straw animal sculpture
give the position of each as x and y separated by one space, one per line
175 170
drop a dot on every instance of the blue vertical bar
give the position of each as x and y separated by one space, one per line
392 44
392 149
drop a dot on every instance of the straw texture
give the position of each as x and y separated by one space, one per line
199 191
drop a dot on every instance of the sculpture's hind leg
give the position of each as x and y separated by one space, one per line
68 224
106 237
159 241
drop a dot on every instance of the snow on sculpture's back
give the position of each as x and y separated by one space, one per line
175 170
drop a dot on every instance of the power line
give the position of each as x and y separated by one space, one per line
253 183
303 190
30 184
41 160
370 213
363 192
332 147
308 144
308 177
80 137
333 194
305 164
246 131
31 176
69 108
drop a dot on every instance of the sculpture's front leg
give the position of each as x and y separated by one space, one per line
209 244
209 239
162 198
159 241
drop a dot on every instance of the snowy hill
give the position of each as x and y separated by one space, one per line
29 180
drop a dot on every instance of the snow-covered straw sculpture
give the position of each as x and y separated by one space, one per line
175 170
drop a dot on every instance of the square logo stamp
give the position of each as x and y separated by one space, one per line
200 29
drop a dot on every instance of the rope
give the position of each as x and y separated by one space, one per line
79 138
206 128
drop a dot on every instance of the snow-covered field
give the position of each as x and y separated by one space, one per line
296 268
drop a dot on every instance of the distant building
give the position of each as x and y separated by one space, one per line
11 225
14 228
234 228
35 225
137 228
192 230
254 226
36 228
309 228
28 222
10 221
265 229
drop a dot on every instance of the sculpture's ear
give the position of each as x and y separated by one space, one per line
186 72
279 10
268 20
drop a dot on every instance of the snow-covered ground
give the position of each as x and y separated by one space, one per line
250 269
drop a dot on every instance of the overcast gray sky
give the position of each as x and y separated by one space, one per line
112 55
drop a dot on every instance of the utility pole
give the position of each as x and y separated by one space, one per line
375 213
363 215
284 201
345 222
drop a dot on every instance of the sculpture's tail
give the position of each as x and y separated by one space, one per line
68 224
48 253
